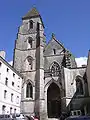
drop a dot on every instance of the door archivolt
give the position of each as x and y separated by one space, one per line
53 101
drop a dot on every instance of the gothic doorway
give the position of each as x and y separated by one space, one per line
53 101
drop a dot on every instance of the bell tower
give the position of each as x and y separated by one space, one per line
29 61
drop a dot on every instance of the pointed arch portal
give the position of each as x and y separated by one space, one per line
53 101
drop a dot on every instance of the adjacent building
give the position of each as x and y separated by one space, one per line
10 87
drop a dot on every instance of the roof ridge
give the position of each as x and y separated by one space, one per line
31 13
53 37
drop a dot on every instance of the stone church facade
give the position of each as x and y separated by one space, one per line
51 78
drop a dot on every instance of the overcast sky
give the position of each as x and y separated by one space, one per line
68 19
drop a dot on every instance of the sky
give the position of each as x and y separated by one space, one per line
69 20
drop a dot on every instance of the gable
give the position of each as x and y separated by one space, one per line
52 46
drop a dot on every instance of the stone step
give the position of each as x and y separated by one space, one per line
53 119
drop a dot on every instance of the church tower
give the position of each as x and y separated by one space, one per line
29 61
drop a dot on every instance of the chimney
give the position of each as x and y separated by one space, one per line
2 54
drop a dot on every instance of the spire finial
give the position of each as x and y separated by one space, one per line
53 36
34 5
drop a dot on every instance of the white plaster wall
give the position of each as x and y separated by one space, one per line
16 89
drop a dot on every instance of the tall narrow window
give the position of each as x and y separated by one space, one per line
29 42
17 100
3 109
79 86
29 90
13 84
10 110
31 24
5 94
11 97
7 70
0 64
15 111
6 81
18 85
54 51
13 75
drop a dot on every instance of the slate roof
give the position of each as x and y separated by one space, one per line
32 13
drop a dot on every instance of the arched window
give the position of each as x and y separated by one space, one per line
29 91
31 24
29 41
55 69
79 86
30 59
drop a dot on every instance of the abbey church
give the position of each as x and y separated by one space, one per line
52 82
